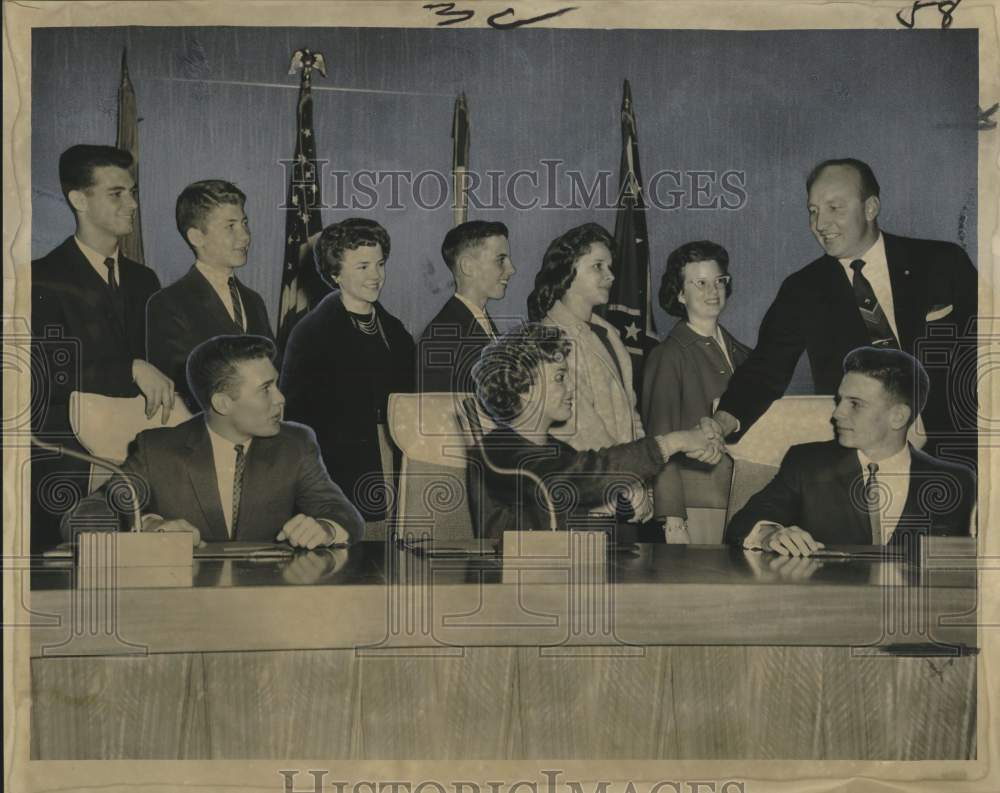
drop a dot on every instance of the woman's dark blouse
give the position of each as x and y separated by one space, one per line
337 380
577 481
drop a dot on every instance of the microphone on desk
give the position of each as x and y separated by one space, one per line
100 462
476 429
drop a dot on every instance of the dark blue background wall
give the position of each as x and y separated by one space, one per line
767 104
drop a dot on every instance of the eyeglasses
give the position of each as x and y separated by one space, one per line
717 283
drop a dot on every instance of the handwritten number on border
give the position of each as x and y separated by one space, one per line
455 16
946 7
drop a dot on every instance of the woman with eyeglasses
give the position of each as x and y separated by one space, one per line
683 378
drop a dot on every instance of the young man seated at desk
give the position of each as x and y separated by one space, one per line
521 383
235 471
869 486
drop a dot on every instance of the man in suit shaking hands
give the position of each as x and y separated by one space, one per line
869 486
478 255
236 471
88 321
209 300
869 288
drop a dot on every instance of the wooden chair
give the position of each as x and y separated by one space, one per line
756 457
105 426
433 485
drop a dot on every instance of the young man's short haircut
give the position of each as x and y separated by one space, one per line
901 375
212 365
77 164
197 200
468 235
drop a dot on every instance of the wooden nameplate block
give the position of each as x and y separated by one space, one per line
103 549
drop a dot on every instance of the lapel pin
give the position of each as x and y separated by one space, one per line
906 272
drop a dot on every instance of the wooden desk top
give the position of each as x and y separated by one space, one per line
377 598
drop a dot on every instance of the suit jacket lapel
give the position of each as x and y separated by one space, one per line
469 324
847 470
91 281
205 483
212 304
840 297
904 306
256 479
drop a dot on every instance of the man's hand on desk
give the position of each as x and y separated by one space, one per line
314 566
305 532
156 523
788 540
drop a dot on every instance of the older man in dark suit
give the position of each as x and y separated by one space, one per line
237 471
209 300
869 486
88 321
478 255
870 287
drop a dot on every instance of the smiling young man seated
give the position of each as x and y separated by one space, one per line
235 471
869 486
521 382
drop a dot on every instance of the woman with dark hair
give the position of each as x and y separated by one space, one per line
576 277
683 378
342 361
522 382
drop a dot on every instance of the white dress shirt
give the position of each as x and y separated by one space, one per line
876 270
96 260
220 283
893 476
224 454
479 314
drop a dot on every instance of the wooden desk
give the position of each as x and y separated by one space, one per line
672 652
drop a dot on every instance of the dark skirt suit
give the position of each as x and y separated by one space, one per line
577 481
682 377
337 380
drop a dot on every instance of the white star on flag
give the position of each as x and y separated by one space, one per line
307 133
631 331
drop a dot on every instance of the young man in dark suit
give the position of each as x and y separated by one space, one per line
870 287
88 322
235 471
209 300
478 255
869 486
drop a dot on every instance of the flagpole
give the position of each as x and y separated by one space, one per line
629 306
127 139
460 134
301 287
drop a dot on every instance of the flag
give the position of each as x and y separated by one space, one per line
629 307
460 135
128 139
301 285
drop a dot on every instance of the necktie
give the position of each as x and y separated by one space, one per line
241 464
234 295
113 290
873 502
879 329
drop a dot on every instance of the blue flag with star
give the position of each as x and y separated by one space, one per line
629 307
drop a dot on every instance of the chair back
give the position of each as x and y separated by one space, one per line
433 492
105 426
758 454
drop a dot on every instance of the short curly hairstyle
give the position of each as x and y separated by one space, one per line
507 367
558 270
346 236
672 282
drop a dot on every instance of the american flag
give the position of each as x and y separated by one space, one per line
301 286
629 307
